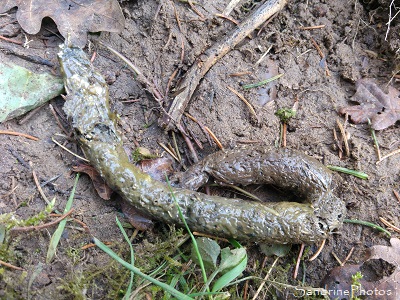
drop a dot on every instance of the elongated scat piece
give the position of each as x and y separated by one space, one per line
87 105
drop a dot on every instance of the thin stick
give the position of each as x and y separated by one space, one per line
390 225
19 134
176 147
11 266
169 151
228 9
312 27
296 269
322 56
188 143
265 279
284 130
348 256
38 227
38 185
214 137
337 258
212 55
318 251
253 112
389 155
344 136
58 121
10 40
139 75
210 236
396 194
206 133
69 151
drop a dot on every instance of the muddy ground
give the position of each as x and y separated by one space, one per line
353 42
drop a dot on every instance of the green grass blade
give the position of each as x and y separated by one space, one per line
348 171
369 224
55 239
225 279
164 286
129 289
196 248
253 85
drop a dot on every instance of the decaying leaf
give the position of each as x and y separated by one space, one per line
74 17
136 218
340 284
102 189
382 109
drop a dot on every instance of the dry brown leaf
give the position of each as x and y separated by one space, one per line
382 109
74 17
135 217
339 281
101 187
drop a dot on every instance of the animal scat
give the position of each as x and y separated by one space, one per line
243 220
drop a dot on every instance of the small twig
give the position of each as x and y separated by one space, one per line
252 111
176 147
139 75
318 251
322 56
227 18
188 143
228 9
39 227
10 40
312 27
396 194
38 185
69 151
237 74
195 9
348 256
344 136
284 131
210 236
388 155
169 151
296 269
19 134
58 121
29 115
11 266
338 144
265 279
337 258
214 137
390 225
202 127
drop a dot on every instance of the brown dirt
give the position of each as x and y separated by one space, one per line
154 45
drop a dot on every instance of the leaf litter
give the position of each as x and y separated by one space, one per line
382 109
73 17
381 285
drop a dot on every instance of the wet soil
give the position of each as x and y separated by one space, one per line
354 47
